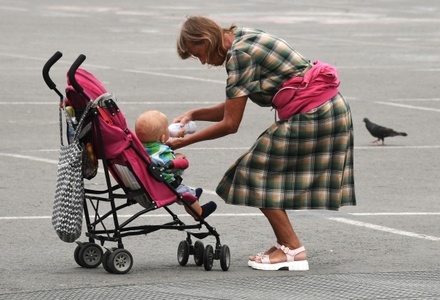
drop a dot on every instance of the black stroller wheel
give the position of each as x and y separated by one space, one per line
90 255
199 248
76 254
120 261
183 253
208 257
225 257
106 261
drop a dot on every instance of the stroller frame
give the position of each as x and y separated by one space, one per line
118 260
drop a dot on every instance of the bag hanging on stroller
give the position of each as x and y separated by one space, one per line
68 204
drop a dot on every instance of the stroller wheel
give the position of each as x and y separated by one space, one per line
183 253
90 255
120 261
225 257
106 262
208 257
199 248
76 253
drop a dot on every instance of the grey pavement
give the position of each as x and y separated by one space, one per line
387 54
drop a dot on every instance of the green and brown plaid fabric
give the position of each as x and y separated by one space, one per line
302 163
258 63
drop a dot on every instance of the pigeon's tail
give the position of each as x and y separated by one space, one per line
396 133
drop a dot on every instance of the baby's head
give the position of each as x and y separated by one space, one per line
152 126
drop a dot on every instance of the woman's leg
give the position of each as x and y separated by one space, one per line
283 230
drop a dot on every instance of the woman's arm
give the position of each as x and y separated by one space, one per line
227 115
210 114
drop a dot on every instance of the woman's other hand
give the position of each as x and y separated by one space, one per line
184 118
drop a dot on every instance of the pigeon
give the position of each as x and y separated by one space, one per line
381 132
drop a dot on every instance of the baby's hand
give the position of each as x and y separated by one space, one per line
180 155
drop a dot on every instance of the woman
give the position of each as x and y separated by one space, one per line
302 161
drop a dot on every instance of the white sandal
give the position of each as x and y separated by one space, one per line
291 264
252 259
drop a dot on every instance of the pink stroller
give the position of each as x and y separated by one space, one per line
138 182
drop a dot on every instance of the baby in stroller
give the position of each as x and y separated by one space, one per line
151 128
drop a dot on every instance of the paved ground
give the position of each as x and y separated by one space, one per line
387 247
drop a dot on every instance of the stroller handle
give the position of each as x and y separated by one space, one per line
47 67
81 58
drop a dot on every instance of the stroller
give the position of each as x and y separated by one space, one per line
138 182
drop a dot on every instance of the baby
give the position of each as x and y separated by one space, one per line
151 128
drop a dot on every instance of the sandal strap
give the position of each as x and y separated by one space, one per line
261 254
265 259
291 253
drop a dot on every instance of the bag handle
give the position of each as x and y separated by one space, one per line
69 120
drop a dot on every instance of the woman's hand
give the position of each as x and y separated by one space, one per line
226 115
176 143
184 118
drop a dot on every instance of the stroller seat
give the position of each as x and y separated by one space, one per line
139 183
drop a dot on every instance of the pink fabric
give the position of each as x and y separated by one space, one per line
302 94
115 134
91 85
180 163
120 142
157 191
189 198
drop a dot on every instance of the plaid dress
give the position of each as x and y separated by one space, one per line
305 162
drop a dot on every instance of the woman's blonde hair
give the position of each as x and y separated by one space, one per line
197 30
150 126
